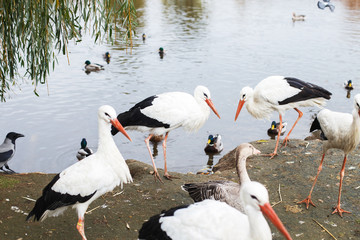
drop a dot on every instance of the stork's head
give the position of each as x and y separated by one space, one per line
245 94
255 195
108 114
202 92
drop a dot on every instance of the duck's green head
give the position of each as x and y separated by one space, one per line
273 125
161 49
107 54
210 139
87 62
83 143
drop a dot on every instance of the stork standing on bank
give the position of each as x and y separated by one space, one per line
80 184
211 219
278 93
221 190
341 131
159 114
7 150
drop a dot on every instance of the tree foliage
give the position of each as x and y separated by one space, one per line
33 32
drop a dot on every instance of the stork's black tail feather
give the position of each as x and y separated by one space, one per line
316 126
38 210
151 230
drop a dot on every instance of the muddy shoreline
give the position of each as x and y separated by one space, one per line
119 214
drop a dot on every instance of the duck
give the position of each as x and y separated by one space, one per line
93 67
348 85
107 57
221 190
143 37
161 52
298 17
214 144
84 151
274 129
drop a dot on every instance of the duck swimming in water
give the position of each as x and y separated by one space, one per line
107 57
214 144
84 151
298 17
348 85
161 52
93 67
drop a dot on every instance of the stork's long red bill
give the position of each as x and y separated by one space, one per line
119 127
211 105
241 104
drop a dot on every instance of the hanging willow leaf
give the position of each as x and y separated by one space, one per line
31 32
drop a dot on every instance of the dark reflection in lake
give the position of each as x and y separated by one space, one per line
224 45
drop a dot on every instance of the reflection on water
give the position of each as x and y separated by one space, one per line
222 45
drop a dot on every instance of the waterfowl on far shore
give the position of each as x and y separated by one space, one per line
274 129
143 37
214 144
298 17
84 151
348 85
93 67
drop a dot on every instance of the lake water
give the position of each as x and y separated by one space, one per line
224 45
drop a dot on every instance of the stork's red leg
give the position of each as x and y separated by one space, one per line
308 199
287 136
80 228
156 173
338 209
166 174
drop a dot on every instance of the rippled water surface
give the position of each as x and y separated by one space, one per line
224 45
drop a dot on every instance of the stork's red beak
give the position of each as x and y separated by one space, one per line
119 127
211 105
269 212
241 104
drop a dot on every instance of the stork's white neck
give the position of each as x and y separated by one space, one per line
106 142
257 110
259 228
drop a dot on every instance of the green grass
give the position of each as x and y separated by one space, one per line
8 182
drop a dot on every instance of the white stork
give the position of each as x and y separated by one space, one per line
211 219
222 190
341 131
159 114
278 93
80 184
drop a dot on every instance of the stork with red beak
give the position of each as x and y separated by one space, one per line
159 114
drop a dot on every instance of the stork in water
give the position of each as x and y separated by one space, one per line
80 184
341 131
278 93
159 114
211 219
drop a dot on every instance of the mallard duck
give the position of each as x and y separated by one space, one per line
84 151
161 52
143 37
298 17
214 144
93 67
348 85
274 129
107 57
